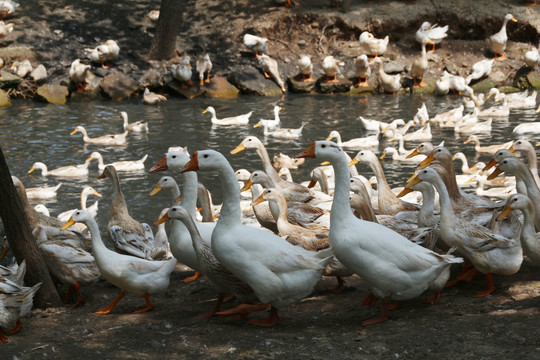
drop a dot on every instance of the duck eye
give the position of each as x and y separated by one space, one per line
205 156
174 156
323 146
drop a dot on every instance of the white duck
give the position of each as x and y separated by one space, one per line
371 45
497 41
279 273
22 68
531 58
7 7
80 170
271 124
270 70
465 169
125 165
117 139
136 127
420 65
283 160
306 68
204 66
331 69
459 84
104 53
42 192
14 272
394 154
233 120
394 267
182 72
138 276
431 34
486 150
363 70
284 133
442 85
368 142
256 43
422 134
86 191
78 73
515 100
152 98
480 69
390 83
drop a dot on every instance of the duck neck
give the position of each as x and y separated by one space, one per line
230 210
119 205
524 173
425 215
189 192
281 219
528 232
205 201
323 183
341 204
98 247
448 217
267 164
84 197
101 164
385 195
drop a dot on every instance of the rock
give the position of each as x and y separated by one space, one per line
297 86
18 52
8 80
219 87
151 79
428 89
190 92
484 85
92 91
508 89
302 42
39 73
363 90
53 93
343 85
452 69
4 99
534 79
119 86
393 67
498 77
250 81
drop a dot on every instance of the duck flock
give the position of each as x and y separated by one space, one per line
271 240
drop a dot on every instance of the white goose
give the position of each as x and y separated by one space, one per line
233 120
368 142
390 83
489 149
394 267
151 98
92 210
279 273
433 34
284 133
480 70
80 170
204 66
43 192
497 41
136 127
125 165
306 68
270 69
272 124
117 139
131 274
371 45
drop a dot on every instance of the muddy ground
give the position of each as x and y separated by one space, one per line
503 325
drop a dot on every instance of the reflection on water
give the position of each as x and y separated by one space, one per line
31 132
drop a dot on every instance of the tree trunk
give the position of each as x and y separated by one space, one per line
170 14
21 241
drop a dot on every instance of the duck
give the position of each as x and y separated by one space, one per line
490 149
496 193
220 277
465 169
86 191
527 150
78 73
14 272
292 191
67 263
388 203
104 53
138 276
42 209
401 144
368 142
394 154
480 69
408 269
128 235
136 127
153 15
530 241
284 133
363 70
531 58
420 66
431 34
515 100
391 130
22 68
474 128
278 272
204 66
43 192
116 139
15 302
488 252
270 69
421 117
378 126
152 98
502 110
256 43
7 7
497 41
125 165
71 171
331 69
306 68
390 83
233 120
282 160
182 72
372 46
423 134
271 124
458 84
168 184
442 85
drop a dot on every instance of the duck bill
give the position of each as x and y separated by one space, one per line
155 190
467 141
495 173
504 213
414 153
238 149
246 186
512 149
425 163
95 193
192 165
257 125
308 153
383 156
353 162
31 170
490 164
102 176
73 132
68 223
161 165
162 219
404 192
258 200
413 181
178 199
312 183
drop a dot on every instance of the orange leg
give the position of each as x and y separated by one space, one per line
308 78
3 338
272 320
207 78
369 300
435 298
490 289
107 309
105 65
215 309
15 329
530 3
266 75
192 278
339 287
331 79
289 4
433 48
384 314
69 291
465 268
362 82
148 307
243 309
